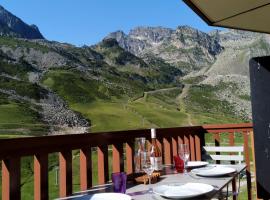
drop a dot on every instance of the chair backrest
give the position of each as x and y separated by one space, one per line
230 153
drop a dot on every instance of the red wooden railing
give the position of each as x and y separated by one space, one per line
245 131
12 150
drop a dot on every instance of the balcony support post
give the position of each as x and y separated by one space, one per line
103 170
85 168
174 146
11 179
130 157
198 147
118 161
192 147
247 160
65 166
41 177
167 151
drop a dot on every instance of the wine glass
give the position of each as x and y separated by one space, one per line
140 142
147 166
184 155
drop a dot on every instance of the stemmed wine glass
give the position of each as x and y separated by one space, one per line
184 155
147 166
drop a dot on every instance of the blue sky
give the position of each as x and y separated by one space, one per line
88 21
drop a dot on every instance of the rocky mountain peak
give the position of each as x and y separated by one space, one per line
152 34
10 25
183 46
109 43
186 30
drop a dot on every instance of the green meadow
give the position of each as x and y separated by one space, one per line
109 108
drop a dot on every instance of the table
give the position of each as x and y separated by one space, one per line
139 191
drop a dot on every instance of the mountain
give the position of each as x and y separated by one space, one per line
48 80
10 25
186 48
216 59
150 77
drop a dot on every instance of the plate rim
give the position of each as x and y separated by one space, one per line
181 197
215 175
205 163
108 193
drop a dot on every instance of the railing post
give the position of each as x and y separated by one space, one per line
161 148
65 167
167 151
217 144
247 159
198 147
130 157
231 143
192 147
41 177
11 179
103 169
85 168
174 146
180 141
254 160
118 162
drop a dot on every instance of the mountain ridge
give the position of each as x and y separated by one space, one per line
10 25
60 85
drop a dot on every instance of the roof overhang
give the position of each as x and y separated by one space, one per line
251 15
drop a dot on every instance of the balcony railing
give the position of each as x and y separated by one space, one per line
12 150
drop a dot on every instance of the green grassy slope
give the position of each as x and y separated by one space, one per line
205 108
19 119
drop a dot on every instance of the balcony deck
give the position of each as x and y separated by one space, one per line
12 150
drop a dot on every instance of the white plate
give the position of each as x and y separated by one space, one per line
180 191
110 196
194 164
213 171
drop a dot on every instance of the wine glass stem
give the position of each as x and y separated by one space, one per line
150 188
185 167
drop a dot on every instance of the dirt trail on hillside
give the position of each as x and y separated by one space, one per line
180 100
155 91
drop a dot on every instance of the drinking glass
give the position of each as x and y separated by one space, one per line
147 166
119 180
184 155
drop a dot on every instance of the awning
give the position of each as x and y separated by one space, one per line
252 15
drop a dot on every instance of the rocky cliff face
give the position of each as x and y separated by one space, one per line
185 47
10 25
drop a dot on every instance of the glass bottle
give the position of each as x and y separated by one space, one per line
156 157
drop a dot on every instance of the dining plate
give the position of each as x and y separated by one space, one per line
213 171
181 191
110 196
194 164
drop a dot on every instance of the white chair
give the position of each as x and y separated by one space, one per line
232 153
229 155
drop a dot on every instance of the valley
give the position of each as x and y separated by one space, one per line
149 77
